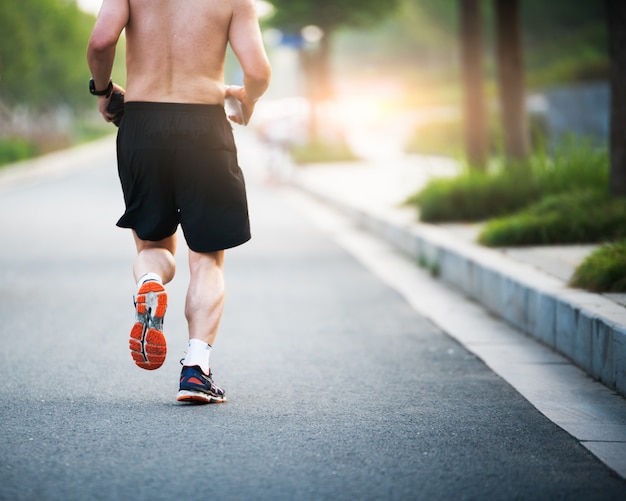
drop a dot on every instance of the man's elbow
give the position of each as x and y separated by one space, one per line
261 75
99 44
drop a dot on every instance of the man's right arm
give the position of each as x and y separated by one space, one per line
247 43
112 19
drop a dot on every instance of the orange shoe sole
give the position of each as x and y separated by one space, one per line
147 342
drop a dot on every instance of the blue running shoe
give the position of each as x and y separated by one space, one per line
197 387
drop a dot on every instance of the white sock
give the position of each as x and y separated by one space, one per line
149 276
198 354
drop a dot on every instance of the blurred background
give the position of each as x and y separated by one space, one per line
344 72
523 99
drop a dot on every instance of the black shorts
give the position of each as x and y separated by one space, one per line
178 165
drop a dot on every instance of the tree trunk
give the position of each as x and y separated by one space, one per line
474 115
316 66
616 23
511 78
307 63
325 91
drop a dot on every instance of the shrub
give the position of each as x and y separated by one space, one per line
16 149
575 165
507 187
604 270
578 217
475 196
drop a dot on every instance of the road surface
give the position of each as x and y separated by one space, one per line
338 389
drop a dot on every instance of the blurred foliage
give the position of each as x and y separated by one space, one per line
14 149
43 62
45 103
85 128
292 15
419 36
569 218
317 152
604 270
564 42
42 42
474 196
440 137
42 52
507 187
445 136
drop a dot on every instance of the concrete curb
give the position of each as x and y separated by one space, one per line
587 328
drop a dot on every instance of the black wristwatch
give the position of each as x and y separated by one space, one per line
106 92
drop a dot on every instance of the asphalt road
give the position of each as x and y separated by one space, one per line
337 388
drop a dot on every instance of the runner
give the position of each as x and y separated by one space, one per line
177 158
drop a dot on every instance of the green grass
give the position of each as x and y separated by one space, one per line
505 187
318 152
604 270
14 149
474 196
567 218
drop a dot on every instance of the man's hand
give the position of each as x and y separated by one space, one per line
247 106
103 102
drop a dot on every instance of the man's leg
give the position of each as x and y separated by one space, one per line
205 296
203 309
153 266
155 257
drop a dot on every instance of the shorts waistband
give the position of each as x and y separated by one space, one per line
154 106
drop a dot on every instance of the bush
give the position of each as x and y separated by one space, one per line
579 217
474 196
16 149
507 187
575 165
604 270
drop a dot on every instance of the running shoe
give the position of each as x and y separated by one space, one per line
147 342
197 387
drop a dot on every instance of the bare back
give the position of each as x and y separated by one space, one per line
175 50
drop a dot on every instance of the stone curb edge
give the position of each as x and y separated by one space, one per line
586 328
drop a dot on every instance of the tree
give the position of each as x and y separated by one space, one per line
511 78
42 53
616 22
474 116
293 15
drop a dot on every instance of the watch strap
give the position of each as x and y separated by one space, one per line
106 92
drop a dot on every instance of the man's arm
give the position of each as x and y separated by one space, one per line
112 19
247 43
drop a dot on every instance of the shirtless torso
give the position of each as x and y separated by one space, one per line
175 49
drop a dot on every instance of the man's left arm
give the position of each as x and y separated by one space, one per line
111 20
